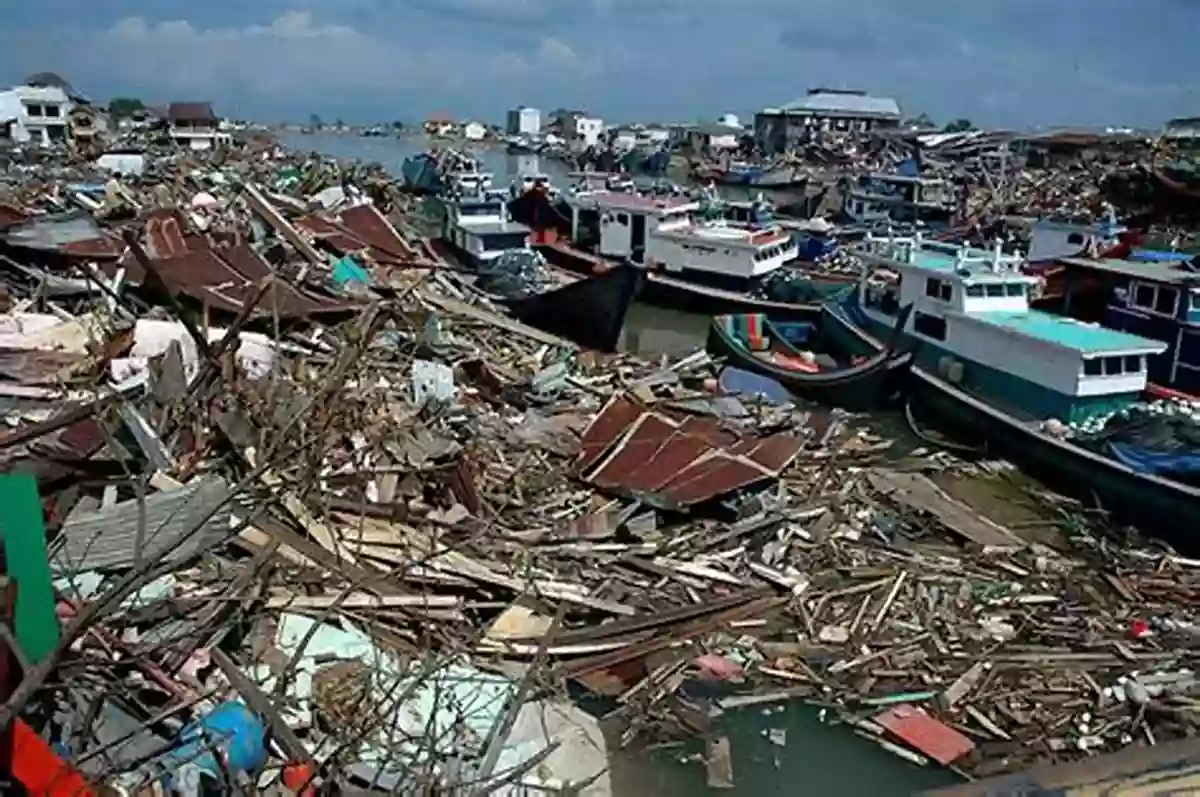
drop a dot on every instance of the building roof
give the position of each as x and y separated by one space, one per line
48 80
855 103
191 112
716 129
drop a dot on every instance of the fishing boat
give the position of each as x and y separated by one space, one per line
1019 378
478 235
898 197
708 266
750 175
784 351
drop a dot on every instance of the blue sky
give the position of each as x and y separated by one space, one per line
999 62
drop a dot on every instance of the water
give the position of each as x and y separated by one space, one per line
391 152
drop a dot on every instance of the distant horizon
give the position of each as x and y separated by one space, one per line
1013 64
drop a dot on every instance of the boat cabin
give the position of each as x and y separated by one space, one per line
1050 240
468 178
664 233
900 197
479 228
1159 300
972 319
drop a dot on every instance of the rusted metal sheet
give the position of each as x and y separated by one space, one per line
604 429
336 236
368 224
923 733
11 215
164 235
687 462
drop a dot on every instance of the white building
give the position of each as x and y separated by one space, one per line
194 125
524 121
474 131
588 129
38 114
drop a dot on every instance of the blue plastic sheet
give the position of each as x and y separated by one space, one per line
1154 462
736 382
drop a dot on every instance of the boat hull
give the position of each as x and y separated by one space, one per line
859 386
669 292
590 311
1166 508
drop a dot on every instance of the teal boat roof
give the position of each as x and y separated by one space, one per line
1069 333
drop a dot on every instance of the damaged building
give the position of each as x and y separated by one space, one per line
841 110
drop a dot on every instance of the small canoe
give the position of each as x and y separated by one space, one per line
752 342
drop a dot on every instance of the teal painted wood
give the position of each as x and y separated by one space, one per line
1018 396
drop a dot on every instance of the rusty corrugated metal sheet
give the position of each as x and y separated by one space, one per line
629 447
368 224
164 235
923 733
338 237
604 430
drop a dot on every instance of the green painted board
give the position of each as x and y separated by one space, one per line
24 538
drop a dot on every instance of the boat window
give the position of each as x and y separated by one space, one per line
1143 296
1196 301
1133 363
1166 301
1092 367
947 291
1014 289
623 218
933 287
975 291
930 326
995 290
1112 366
1075 238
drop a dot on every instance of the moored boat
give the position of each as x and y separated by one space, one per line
1022 380
791 354
478 234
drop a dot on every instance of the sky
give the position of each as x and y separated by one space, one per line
1000 63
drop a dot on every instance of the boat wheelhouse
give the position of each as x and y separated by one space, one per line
901 198
479 229
467 178
1158 300
975 329
663 234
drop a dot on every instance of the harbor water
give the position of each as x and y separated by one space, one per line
776 749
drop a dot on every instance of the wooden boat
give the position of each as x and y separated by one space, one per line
754 343
1164 506
589 311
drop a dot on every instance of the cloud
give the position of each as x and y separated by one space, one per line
1003 62
296 57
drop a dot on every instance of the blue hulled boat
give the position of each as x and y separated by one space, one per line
1030 383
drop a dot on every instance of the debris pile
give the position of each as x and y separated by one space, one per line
282 511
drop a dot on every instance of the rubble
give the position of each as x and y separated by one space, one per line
349 525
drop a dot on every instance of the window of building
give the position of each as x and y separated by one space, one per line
1075 238
1143 296
1112 366
1195 300
1133 364
33 109
930 326
1093 367
1014 289
1166 301
52 111
974 291
995 290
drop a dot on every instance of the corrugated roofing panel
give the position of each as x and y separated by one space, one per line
923 733
604 430
367 223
